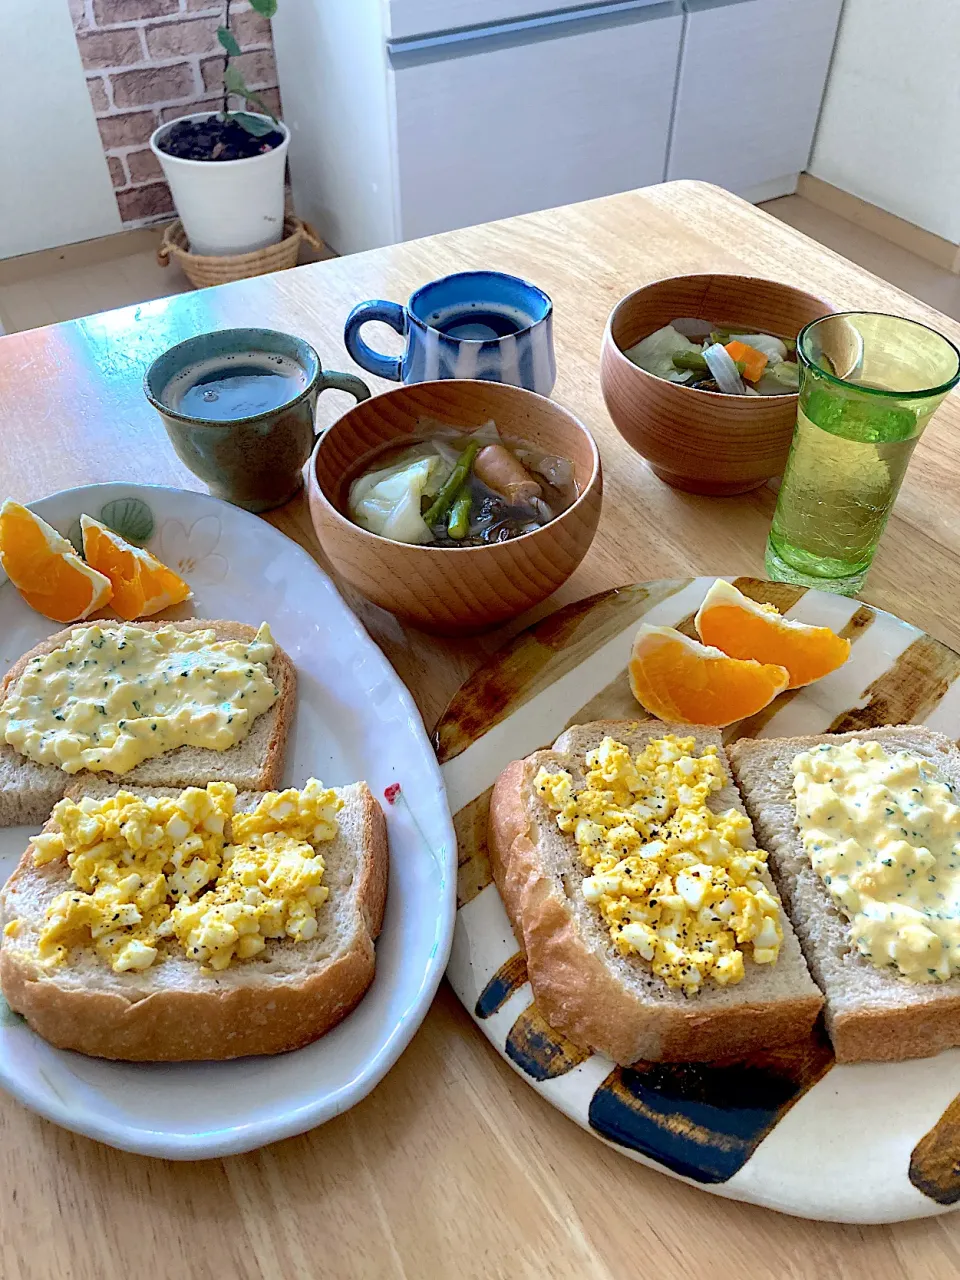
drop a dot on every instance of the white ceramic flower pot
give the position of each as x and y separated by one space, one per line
226 206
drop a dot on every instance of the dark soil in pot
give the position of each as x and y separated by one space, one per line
216 139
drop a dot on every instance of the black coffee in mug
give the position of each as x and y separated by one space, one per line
243 385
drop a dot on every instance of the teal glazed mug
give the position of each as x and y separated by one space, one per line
239 407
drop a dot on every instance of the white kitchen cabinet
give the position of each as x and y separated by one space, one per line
409 117
414 116
751 81
526 116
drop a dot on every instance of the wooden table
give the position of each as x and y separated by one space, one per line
453 1167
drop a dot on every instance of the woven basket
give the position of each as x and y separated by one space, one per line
202 270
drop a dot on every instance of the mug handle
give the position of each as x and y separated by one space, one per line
390 313
331 381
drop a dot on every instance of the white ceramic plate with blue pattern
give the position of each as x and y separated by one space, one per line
354 720
787 1128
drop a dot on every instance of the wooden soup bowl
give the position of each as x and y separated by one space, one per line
442 590
703 441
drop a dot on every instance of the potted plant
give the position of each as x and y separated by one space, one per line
226 168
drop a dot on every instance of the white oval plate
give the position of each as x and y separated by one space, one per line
354 720
788 1129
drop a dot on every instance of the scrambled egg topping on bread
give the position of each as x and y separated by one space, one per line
112 697
146 870
673 880
882 831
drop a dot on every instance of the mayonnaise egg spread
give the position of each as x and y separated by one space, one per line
882 831
112 697
674 881
188 873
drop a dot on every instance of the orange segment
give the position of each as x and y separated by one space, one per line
675 678
142 585
45 569
740 627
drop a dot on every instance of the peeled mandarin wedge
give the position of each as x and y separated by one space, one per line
676 678
142 585
742 628
46 570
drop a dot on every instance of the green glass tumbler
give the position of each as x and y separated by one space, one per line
869 384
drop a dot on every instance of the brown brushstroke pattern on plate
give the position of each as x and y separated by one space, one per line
540 1051
473 860
686 627
704 1120
537 658
751 727
935 1160
506 982
907 691
782 595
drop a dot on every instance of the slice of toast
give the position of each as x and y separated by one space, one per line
283 998
872 1014
28 791
583 986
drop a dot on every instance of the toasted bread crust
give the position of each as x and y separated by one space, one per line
283 673
178 1026
577 992
264 1017
895 1035
881 1032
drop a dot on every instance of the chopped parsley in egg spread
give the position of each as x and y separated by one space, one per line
112 697
672 879
882 831
156 872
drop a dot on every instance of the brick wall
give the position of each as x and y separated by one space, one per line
148 61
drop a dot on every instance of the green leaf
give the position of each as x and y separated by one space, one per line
130 517
234 82
253 124
229 42
267 8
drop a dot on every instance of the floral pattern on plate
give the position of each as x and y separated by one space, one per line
193 550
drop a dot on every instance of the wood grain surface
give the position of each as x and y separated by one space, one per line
453 1166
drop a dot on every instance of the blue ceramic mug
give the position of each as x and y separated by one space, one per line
476 324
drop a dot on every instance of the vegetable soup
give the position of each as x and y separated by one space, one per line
452 489
710 357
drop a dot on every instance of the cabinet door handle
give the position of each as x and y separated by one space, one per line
700 6
466 41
